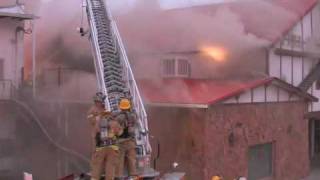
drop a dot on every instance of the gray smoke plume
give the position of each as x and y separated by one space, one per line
244 29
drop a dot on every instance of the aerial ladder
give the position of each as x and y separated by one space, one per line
115 77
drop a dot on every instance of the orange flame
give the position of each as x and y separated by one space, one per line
216 53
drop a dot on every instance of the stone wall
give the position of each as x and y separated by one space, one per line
199 140
180 133
282 124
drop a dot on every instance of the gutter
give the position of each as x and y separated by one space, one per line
177 105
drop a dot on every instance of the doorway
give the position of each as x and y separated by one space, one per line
314 142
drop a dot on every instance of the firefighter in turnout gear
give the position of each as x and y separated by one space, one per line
105 131
128 120
94 115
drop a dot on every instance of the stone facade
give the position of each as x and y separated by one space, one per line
199 140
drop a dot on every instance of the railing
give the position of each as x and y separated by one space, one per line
96 51
7 90
128 76
131 83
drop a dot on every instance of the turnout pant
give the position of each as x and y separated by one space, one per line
127 154
104 159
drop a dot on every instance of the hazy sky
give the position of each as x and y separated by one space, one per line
164 3
186 3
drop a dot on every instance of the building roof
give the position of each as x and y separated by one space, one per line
15 11
202 93
238 23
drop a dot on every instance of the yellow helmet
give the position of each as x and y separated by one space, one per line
216 178
124 104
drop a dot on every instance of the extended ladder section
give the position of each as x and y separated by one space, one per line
310 78
114 74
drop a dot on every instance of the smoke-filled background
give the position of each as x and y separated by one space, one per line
151 26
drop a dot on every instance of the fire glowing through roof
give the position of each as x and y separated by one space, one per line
218 54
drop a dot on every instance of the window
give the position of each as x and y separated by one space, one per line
260 161
176 67
169 67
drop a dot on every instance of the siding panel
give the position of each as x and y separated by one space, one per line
297 71
286 69
307 27
274 65
259 94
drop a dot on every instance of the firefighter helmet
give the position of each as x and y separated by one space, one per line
216 178
99 97
125 104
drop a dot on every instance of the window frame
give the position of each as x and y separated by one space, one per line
178 61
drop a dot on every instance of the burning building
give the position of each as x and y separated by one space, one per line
231 88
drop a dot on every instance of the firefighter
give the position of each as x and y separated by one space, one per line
94 115
106 130
128 120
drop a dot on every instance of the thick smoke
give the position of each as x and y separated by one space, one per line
244 29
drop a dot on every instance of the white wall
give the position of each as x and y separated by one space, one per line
294 69
263 94
11 49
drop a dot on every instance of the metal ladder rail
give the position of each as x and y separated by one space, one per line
131 82
137 101
96 51
112 68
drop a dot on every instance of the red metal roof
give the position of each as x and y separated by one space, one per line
240 23
202 92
